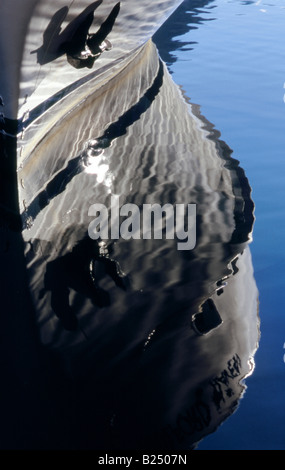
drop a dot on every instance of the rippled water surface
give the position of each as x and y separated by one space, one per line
230 59
127 342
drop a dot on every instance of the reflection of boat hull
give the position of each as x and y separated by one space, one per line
109 323
141 333
191 383
58 182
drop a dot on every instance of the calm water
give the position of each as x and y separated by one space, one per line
230 59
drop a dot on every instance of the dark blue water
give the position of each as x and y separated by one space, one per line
229 58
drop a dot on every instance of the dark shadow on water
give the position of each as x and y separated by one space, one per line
26 414
81 270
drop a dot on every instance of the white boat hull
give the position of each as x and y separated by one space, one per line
25 83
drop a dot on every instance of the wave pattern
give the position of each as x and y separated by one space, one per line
163 328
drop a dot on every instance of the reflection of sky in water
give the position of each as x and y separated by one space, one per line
234 67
